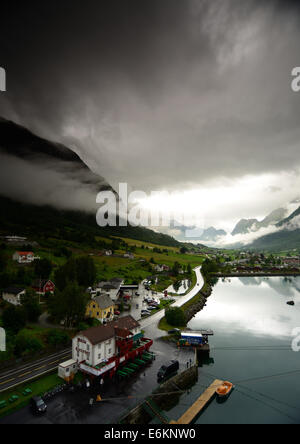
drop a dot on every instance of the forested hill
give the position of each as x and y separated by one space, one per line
39 222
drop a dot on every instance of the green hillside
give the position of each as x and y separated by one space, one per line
45 223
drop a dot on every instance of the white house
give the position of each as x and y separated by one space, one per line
23 257
111 288
13 295
97 345
129 255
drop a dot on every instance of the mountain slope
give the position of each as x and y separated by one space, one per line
46 190
244 226
273 218
35 170
290 219
286 238
212 234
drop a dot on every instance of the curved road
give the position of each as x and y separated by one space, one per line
182 300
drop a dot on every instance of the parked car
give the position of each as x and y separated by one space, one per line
137 294
173 331
117 313
148 300
150 308
145 313
167 370
153 304
38 405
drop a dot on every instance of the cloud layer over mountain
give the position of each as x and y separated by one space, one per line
160 94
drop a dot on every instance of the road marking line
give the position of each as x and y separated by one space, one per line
30 365
9 380
39 368
24 374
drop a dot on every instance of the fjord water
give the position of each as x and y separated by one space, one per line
252 347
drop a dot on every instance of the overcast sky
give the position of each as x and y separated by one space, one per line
189 96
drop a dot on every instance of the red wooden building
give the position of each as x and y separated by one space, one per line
43 286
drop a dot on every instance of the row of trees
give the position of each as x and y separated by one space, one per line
68 305
81 270
15 318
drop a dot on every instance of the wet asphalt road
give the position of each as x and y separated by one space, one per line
118 397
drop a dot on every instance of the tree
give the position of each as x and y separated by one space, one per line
183 250
31 306
68 305
176 268
81 270
57 337
85 271
14 318
27 344
43 268
3 261
175 317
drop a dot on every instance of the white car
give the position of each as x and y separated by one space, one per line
145 313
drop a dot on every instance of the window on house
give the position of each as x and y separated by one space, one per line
99 356
87 347
109 351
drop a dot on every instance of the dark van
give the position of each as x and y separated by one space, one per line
38 405
167 370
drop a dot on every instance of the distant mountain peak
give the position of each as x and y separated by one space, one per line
244 226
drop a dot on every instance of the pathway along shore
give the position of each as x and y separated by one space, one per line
201 291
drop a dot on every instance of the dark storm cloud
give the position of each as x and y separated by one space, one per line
157 92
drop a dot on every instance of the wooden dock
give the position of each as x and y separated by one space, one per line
199 405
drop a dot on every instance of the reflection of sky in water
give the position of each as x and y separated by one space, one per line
252 305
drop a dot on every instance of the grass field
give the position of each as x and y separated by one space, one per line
137 243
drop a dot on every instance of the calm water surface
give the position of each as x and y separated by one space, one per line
252 347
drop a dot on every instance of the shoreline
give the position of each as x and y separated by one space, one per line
192 306
255 274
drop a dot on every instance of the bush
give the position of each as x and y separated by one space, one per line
175 317
14 318
57 337
27 344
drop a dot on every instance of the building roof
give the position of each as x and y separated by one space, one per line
13 290
108 285
40 283
103 301
24 253
123 332
104 332
127 322
67 363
